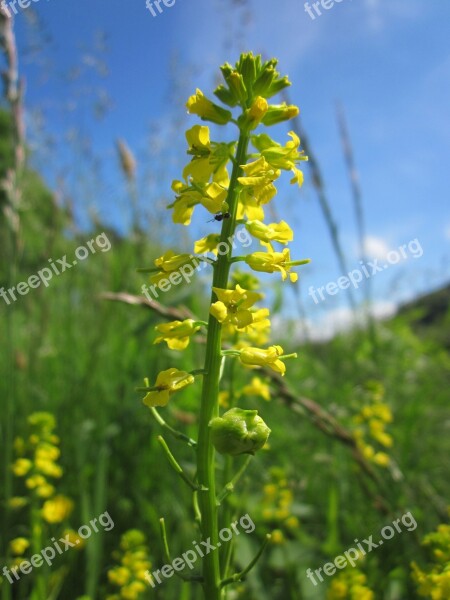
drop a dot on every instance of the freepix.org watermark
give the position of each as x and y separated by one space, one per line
200 261
189 558
45 274
49 553
157 4
368 269
10 7
325 4
352 555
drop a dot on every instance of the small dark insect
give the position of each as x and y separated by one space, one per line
220 217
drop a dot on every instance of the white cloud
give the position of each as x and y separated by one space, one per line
375 247
342 319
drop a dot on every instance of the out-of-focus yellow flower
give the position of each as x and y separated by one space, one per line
270 262
130 575
119 576
277 537
382 459
35 481
224 399
45 491
48 467
18 546
207 244
17 502
167 382
73 537
264 358
233 306
176 334
199 105
348 584
57 509
257 388
21 467
274 232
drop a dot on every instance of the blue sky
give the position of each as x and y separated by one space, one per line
386 61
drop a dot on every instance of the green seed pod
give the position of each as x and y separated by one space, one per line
239 431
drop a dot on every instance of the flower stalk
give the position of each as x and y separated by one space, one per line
236 329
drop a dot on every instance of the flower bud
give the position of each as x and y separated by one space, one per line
199 105
279 113
239 431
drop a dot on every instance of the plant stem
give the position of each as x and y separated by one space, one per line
209 402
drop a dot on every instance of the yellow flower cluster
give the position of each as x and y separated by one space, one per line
277 506
350 584
371 422
36 461
129 575
434 582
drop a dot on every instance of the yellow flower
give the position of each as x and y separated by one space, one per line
177 334
207 244
21 467
269 262
167 383
19 545
265 358
209 159
233 306
199 105
281 157
257 388
47 452
275 232
57 509
258 188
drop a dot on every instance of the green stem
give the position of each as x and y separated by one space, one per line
209 402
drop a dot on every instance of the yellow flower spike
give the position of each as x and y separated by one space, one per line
257 388
18 546
167 383
57 509
233 306
270 262
274 232
199 105
207 244
176 334
271 358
